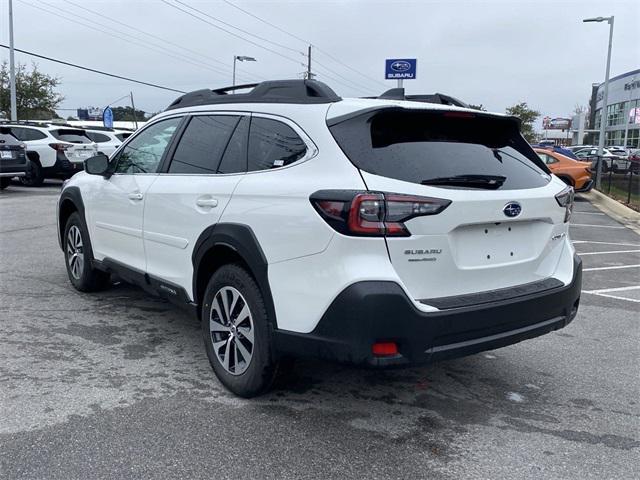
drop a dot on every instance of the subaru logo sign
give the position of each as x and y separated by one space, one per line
512 209
400 66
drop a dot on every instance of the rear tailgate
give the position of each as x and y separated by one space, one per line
488 238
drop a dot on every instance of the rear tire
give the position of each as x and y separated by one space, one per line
236 333
77 255
4 182
34 176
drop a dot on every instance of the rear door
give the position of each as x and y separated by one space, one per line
191 193
492 235
115 206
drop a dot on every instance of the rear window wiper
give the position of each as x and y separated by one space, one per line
489 182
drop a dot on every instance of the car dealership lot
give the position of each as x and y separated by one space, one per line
117 384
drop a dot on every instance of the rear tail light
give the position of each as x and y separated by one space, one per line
373 214
384 349
60 147
565 200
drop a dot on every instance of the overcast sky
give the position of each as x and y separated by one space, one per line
490 52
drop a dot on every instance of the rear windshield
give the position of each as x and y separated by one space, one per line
415 146
69 135
122 136
7 137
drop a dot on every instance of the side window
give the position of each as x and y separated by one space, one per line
548 159
234 159
143 153
273 144
98 137
202 144
27 134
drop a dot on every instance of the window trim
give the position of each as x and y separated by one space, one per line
312 149
169 148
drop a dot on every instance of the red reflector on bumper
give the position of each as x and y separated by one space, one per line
383 349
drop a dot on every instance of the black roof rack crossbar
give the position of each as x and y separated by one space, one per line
271 91
224 90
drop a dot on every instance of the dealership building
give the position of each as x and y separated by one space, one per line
623 111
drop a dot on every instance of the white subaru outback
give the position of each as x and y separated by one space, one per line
294 222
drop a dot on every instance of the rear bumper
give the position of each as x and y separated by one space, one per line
13 168
588 185
379 311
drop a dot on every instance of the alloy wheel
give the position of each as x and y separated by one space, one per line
75 252
231 328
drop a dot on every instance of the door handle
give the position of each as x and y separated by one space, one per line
207 202
136 196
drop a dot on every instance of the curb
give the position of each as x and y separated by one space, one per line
616 210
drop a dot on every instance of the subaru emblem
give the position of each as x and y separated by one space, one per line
400 66
512 209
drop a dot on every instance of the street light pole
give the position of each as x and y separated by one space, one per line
605 97
12 67
241 58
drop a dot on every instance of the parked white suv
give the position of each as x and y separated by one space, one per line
53 150
107 139
294 222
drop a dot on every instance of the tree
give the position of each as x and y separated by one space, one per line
36 97
477 107
125 114
527 116
578 109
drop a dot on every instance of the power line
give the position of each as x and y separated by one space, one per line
149 46
93 70
302 40
151 35
231 33
240 29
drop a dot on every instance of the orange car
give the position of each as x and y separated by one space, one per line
571 172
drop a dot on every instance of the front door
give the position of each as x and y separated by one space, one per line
116 207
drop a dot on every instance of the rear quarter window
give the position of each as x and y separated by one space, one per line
72 136
98 137
418 145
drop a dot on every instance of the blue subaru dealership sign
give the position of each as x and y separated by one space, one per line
400 69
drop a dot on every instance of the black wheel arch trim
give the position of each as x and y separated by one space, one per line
73 195
243 241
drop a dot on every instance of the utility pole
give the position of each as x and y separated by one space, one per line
12 67
135 120
309 74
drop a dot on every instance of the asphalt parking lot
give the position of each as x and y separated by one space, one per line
117 385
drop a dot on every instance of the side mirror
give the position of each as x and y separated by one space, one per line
97 165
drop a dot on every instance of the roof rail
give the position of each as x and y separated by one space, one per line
25 123
271 91
438 98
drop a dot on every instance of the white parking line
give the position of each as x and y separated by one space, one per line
615 296
606 253
606 243
593 226
619 267
609 290
588 213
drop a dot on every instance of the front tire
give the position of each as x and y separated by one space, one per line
4 182
235 327
77 255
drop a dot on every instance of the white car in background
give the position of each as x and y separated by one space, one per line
53 150
108 139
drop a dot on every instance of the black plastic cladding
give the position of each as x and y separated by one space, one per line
272 91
